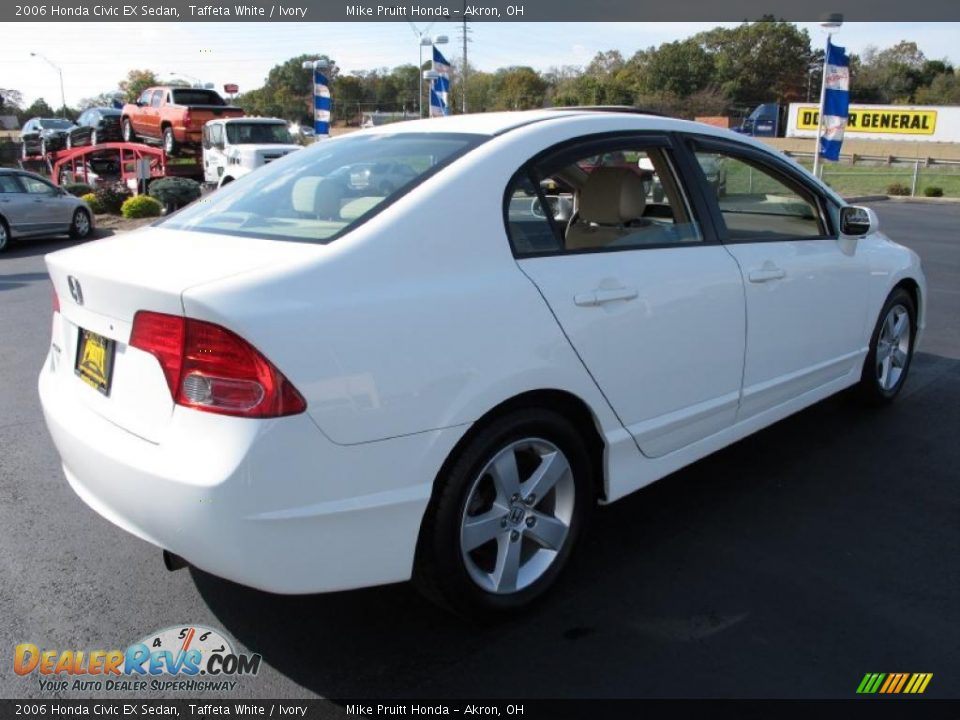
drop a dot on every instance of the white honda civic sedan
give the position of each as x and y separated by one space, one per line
304 386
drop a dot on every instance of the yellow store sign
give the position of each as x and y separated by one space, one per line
894 122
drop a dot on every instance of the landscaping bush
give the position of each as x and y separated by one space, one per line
78 189
898 189
174 192
110 198
933 191
91 200
141 206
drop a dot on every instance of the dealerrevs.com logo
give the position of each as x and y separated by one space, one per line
186 658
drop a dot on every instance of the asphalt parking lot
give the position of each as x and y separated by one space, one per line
788 565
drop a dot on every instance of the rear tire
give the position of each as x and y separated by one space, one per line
80 226
891 350
505 515
4 235
170 145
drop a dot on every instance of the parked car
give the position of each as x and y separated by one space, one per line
173 116
32 206
306 390
94 126
42 135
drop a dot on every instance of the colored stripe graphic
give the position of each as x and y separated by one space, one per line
894 683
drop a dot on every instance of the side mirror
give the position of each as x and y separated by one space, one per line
856 221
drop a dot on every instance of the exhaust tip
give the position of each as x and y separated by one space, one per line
173 562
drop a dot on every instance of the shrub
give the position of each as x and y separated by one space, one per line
933 191
91 200
175 192
78 189
898 189
110 198
141 206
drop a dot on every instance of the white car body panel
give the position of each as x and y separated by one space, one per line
400 335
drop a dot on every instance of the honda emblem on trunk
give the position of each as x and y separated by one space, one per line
75 292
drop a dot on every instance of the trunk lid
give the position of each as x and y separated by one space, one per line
101 286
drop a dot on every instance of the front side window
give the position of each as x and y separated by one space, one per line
145 97
758 202
36 186
157 97
623 197
313 195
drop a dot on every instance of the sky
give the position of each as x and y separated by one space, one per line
99 54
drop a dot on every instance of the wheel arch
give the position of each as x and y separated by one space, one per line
565 403
913 289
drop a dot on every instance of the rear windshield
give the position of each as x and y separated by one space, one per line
52 124
196 97
318 194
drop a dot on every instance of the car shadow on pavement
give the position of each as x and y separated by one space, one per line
31 247
786 565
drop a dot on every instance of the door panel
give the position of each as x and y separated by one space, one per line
805 290
14 204
664 338
653 308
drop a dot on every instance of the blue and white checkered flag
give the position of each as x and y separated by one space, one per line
836 101
440 87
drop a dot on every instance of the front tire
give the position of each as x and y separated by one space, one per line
505 515
128 134
891 349
80 226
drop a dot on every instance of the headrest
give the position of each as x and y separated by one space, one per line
318 197
612 196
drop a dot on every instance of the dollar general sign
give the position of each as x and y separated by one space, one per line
895 122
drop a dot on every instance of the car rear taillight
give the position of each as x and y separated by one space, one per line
187 119
209 368
56 301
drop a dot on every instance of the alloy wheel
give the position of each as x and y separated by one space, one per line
893 347
517 516
81 224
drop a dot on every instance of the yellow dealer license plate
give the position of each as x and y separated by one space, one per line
95 360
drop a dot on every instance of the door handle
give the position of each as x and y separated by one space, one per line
766 274
601 296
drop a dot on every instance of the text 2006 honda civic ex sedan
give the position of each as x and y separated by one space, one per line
305 383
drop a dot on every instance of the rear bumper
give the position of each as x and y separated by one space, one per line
271 504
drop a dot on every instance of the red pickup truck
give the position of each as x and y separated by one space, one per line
174 116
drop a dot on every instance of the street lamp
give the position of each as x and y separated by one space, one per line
197 82
63 98
424 40
830 22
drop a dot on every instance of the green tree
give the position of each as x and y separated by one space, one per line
518 88
944 89
682 68
39 108
136 82
287 90
759 62
11 101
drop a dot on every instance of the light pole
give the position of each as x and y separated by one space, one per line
429 76
63 98
830 22
424 40
197 82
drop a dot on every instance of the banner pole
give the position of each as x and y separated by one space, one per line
823 96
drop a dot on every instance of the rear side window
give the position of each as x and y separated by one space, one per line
318 194
625 197
9 184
